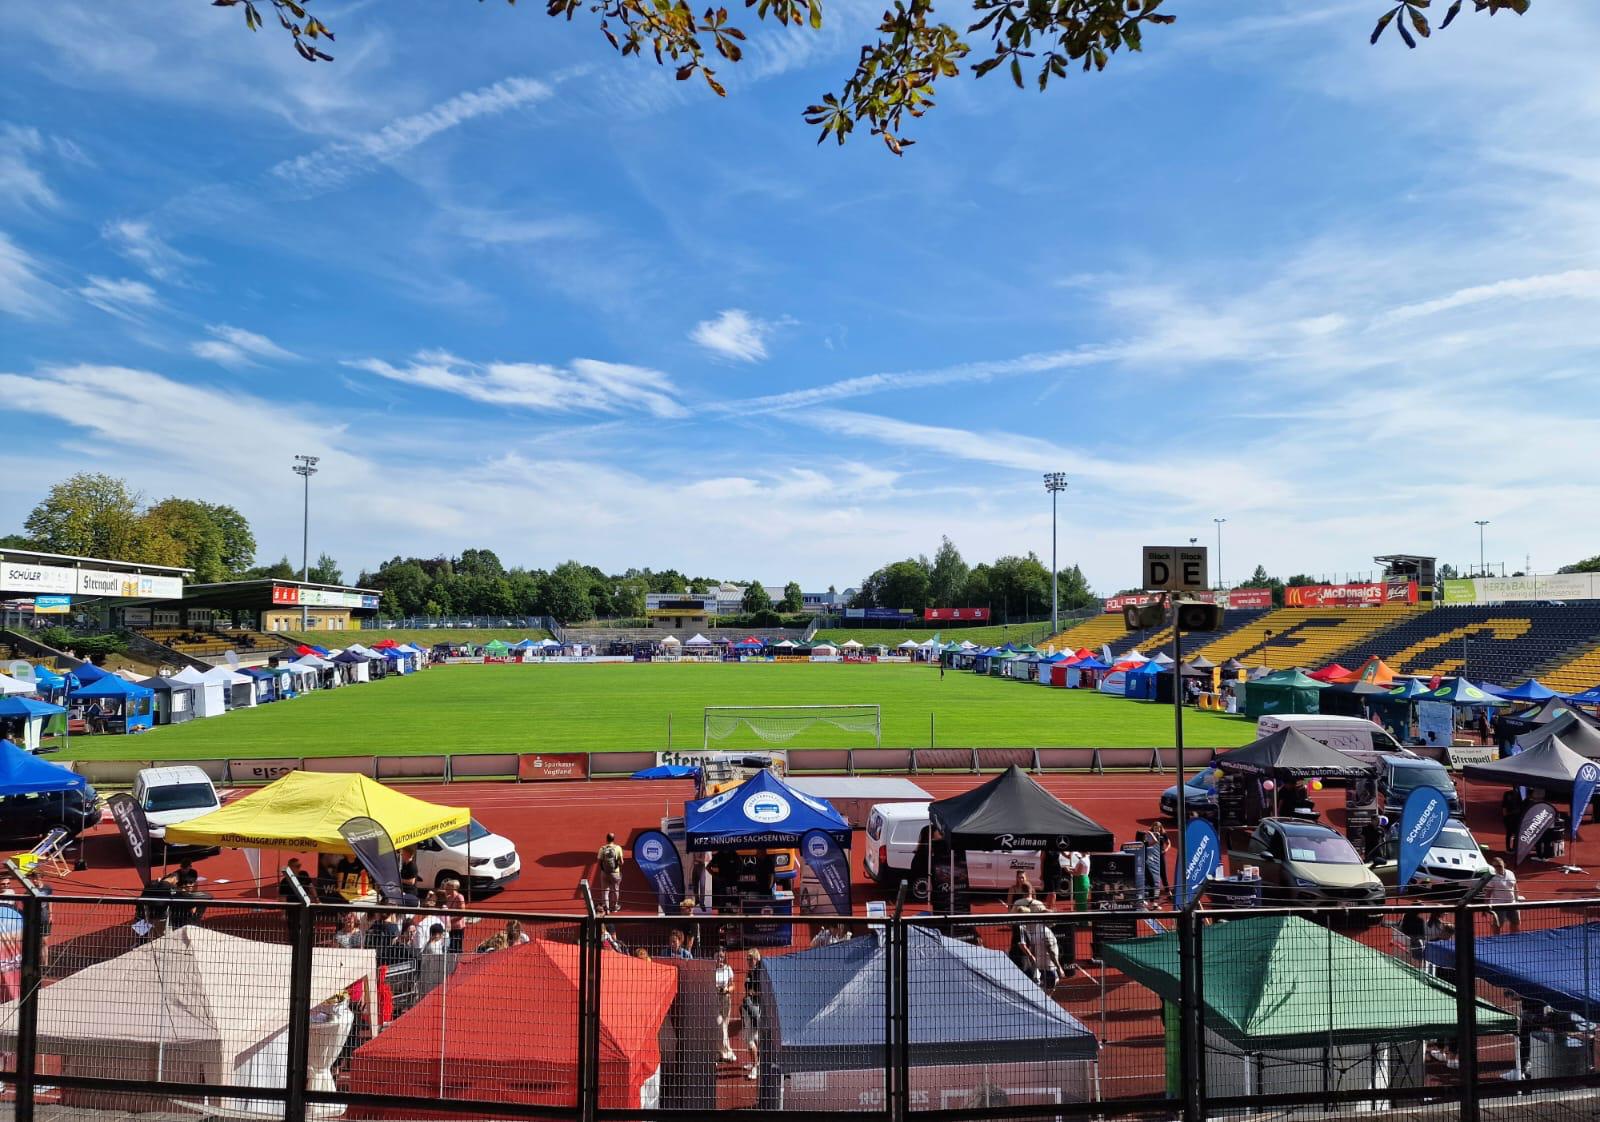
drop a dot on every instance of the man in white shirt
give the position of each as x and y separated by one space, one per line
1500 890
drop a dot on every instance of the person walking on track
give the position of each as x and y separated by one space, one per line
609 860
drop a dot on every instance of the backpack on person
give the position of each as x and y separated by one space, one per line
610 860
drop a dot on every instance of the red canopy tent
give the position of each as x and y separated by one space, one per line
504 1026
1330 672
1374 672
382 643
302 649
1083 652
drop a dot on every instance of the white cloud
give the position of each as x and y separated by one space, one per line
330 166
21 183
139 243
121 297
490 227
235 347
583 385
734 334
1574 284
22 292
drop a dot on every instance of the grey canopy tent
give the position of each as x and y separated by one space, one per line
1549 764
1291 754
973 1021
1576 734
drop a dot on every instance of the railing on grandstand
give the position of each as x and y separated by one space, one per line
261 1009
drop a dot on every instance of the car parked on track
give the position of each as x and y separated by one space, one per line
34 816
1398 776
1307 863
174 795
491 859
1199 793
1453 868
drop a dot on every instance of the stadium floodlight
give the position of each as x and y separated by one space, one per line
779 724
1480 523
1055 482
305 467
1219 522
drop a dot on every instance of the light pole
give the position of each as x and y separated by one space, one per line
1219 522
305 467
1055 482
1480 524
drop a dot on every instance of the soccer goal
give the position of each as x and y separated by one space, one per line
779 724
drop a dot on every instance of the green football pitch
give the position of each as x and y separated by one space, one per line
614 707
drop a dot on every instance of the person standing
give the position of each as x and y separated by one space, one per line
1512 804
723 977
609 864
750 1012
1157 843
457 903
1500 890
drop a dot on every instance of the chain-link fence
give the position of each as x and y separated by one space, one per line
192 1007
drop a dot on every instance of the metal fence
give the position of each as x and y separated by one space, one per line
194 1007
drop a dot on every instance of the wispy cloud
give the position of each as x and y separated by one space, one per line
121 297
22 184
494 227
1574 284
234 347
22 292
139 243
584 384
734 334
332 165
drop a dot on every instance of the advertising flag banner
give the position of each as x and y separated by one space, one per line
831 866
135 827
1536 822
1582 791
658 860
1421 821
1202 857
374 848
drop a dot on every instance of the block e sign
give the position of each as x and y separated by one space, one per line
1171 568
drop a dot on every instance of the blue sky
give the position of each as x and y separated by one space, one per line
517 292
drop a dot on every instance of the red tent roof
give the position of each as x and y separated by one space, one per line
384 643
1083 652
1374 672
302 649
1329 672
506 1024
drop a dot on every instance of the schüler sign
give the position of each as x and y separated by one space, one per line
56 579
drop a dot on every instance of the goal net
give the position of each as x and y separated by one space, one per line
729 725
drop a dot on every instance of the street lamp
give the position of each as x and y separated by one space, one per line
305 467
1219 522
1055 482
1480 524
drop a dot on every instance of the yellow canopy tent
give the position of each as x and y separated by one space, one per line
304 810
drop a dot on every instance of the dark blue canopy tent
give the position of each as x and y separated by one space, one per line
1139 684
268 689
666 771
823 1008
1559 966
125 706
1531 690
762 812
88 673
22 773
1590 696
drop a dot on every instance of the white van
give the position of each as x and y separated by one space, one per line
492 859
897 850
1354 736
171 795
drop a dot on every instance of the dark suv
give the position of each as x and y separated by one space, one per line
34 816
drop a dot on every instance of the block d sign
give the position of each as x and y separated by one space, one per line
1171 568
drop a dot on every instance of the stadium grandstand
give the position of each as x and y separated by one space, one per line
1504 644
1094 633
1149 642
1575 675
1308 637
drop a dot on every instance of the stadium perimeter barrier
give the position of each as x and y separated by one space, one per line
257 1009
559 766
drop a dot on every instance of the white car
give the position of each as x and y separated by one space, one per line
171 795
492 859
897 850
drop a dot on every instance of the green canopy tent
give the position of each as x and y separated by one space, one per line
496 648
1290 1006
1287 691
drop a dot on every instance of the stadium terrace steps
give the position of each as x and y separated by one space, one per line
1149 642
213 646
1308 637
1094 633
1502 644
1574 675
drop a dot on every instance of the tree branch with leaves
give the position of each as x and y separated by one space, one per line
895 74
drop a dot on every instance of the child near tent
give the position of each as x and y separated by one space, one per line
750 1012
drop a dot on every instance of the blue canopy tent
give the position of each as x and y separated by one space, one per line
268 687
1531 690
1409 690
762 812
1140 683
1491 689
822 1011
666 771
1590 696
52 685
88 672
525 645
113 705
22 773
1463 694
1558 967
31 716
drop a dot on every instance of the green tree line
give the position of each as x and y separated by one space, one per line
1010 587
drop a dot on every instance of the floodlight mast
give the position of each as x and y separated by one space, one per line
1054 482
305 467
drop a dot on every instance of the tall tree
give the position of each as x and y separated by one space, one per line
1072 590
755 599
90 515
903 584
794 599
1589 565
567 593
947 583
326 570
913 49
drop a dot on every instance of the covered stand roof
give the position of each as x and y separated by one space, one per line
1559 967
1284 982
1549 764
304 810
1011 811
23 773
826 1008
1291 753
762 811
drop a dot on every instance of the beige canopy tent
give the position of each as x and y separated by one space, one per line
194 1006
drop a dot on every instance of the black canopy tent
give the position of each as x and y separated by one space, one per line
1352 699
1291 754
1551 709
1576 734
1549 764
1012 812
